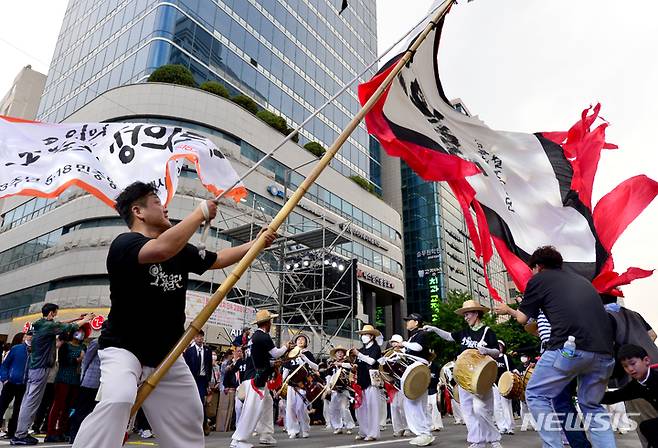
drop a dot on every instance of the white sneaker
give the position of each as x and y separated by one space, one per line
146 434
496 445
398 433
359 437
338 431
477 445
239 444
292 436
422 440
348 432
267 439
304 435
369 439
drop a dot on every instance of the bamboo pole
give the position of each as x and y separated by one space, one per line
218 296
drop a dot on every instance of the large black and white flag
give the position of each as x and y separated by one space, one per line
527 190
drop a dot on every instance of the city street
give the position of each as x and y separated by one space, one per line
451 436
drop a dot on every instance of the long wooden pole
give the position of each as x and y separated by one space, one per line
218 296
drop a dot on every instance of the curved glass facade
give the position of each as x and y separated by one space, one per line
289 55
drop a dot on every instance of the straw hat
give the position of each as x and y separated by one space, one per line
369 329
263 316
471 305
337 348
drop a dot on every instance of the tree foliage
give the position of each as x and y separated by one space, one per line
173 74
315 148
215 87
246 102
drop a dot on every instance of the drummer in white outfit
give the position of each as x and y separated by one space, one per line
477 410
415 411
367 371
398 419
503 406
298 422
338 406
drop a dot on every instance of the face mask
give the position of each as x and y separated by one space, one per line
28 343
79 336
524 359
365 338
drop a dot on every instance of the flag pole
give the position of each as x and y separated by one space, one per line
218 296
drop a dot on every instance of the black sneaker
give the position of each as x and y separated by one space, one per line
27 440
53 439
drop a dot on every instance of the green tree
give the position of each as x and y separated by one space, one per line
246 102
274 120
315 148
216 88
173 74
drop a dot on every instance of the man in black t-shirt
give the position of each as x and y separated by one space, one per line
573 308
258 405
148 269
368 413
476 409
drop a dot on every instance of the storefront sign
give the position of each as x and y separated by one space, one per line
374 279
362 235
97 322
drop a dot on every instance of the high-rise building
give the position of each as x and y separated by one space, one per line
288 55
342 256
22 98
439 255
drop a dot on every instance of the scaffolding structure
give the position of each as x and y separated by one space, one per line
310 276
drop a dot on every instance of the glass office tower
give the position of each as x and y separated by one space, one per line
288 55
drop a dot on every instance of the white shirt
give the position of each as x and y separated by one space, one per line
202 368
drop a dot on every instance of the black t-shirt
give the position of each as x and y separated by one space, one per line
258 350
434 379
147 314
572 307
504 367
363 368
420 337
467 338
232 372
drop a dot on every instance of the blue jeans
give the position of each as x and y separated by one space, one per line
568 416
552 374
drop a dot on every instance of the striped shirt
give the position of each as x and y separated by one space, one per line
544 329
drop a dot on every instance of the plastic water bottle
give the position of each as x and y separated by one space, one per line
569 348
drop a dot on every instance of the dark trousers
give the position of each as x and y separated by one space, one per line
141 422
11 392
568 415
41 419
58 419
85 403
202 384
649 429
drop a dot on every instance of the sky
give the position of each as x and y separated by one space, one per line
520 65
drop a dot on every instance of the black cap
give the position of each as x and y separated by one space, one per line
414 316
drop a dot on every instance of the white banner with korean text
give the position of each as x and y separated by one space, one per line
43 159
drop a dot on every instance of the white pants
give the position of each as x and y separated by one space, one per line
368 413
339 410
382 407
527 420
436 422
257 414
456 411
297 418
503 411
619 419
416 413
398 419
478 415
238 408
173 408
